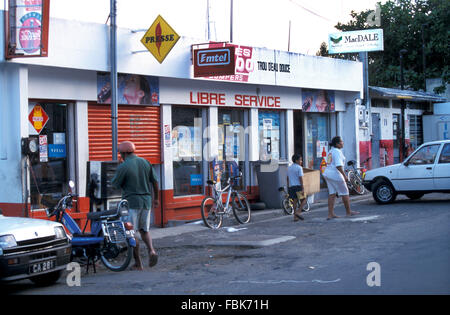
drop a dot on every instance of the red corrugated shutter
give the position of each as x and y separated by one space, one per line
140 124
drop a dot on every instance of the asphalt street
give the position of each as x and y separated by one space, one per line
401 248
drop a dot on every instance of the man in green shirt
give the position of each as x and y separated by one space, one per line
136 177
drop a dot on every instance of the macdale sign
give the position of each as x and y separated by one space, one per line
160 38
214 61
356 41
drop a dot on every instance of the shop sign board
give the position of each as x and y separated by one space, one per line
38 118
209 93
57 150
27 23
257 65
214 61
356 41
160 38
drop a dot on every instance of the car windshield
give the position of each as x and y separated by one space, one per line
425 155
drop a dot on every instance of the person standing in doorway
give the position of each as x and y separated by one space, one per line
295 185
136 177
336 178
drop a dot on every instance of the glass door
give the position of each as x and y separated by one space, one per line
232 144
49 168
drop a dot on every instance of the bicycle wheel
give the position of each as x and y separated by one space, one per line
356 183
210 215
241 208
287 205
307 206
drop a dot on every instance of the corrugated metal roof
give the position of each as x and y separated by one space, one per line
413 96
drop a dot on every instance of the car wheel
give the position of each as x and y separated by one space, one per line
383 192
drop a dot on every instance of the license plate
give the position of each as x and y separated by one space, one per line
42 266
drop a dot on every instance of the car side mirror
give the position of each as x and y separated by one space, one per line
406 163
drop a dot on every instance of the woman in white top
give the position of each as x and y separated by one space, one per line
336 178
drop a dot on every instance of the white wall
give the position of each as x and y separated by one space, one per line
85 46
62 83
13 109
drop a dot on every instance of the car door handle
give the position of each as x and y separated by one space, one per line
429 168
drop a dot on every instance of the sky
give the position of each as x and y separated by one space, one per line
257 23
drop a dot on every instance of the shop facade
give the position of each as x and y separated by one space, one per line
183 125
380 142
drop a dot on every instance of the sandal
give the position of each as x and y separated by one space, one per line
153 260
298 217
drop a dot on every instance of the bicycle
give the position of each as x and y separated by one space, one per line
213 209
287 204
355 179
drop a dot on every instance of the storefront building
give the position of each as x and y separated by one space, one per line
274 105
380 142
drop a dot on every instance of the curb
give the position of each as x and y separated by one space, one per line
195 226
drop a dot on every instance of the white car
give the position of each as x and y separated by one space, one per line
426 170
32 248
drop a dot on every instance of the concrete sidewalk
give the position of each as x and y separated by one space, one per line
257 215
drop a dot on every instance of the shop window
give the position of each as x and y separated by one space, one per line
232 145
415 131
49 169
271 137
317 135
187 151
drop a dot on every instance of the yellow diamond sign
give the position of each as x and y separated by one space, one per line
160 39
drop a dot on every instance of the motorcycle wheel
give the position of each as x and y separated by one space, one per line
116 256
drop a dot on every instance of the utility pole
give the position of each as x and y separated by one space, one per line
424 57
402 86
289 37
113 73
231 21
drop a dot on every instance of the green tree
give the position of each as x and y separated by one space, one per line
404 22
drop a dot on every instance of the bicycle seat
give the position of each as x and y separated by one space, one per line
351 162
210 182
102 214
281 189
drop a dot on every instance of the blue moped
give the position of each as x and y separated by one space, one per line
110 240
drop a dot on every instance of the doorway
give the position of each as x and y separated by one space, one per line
49 169
376 137
298 133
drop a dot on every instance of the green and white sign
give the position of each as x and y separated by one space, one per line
355 41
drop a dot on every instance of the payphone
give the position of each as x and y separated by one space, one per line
103 196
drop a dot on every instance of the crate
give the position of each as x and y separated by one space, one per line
311 181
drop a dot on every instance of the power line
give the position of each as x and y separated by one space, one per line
311 11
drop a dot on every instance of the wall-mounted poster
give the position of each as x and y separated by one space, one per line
131 89
27 24
321 101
